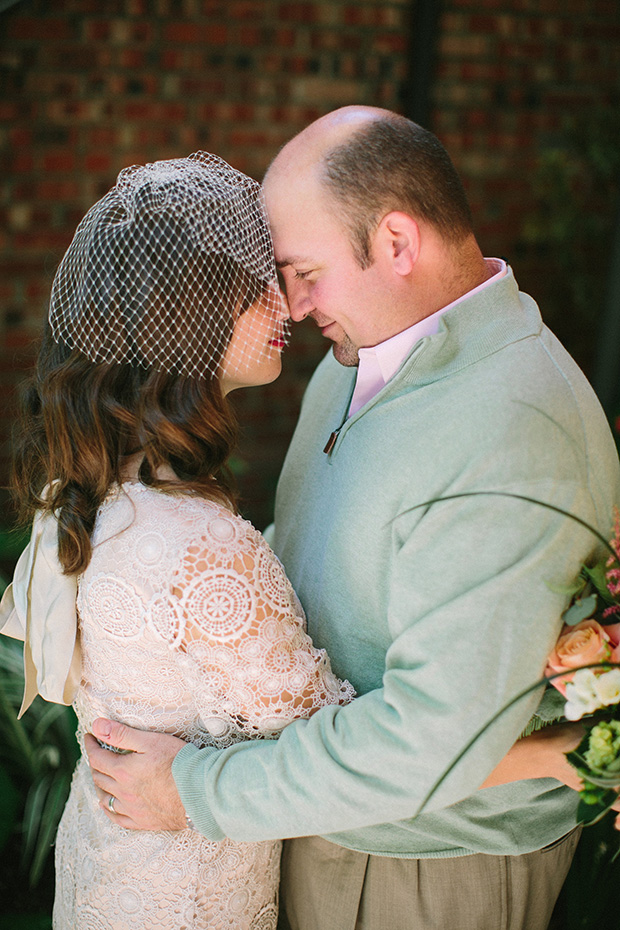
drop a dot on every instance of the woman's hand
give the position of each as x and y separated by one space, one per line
543 755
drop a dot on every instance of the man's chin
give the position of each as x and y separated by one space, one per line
346 353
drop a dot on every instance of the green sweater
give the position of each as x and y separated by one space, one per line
438 615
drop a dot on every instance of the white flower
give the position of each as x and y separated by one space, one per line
608 687
574 711
582 695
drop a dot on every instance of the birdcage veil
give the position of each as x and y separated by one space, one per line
161 267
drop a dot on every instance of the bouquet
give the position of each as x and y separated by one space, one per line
585 668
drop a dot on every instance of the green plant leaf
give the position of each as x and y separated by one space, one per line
9 807
51 812
580 610
597 575
568 590
25 922
589 814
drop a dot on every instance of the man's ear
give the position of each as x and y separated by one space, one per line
398 239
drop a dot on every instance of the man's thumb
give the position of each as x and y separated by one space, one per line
116 736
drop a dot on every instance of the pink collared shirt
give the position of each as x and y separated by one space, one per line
378 364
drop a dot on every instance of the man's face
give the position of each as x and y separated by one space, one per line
318 270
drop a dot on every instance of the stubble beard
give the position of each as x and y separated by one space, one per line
345 352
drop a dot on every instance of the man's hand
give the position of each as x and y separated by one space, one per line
141 782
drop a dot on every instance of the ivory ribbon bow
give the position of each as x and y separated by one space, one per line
39 607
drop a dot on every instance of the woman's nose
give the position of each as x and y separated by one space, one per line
282 310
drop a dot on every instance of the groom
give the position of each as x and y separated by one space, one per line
442 382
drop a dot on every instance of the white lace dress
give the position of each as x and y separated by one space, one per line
188 625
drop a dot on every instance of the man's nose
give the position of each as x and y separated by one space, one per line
299 303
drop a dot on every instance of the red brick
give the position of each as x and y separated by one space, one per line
284 37
59 162
246 9
62 87
248 137
198 86
47 189
38 29
78 58
133 58
207 112
279 115
173 59
250 36
8 112
98 31
299 12
353 15
139 110
140 32
151 136
243 112
213 8
184 33
35 290
390 43
478 23
173 112
98 162
216 35
86 6
310 114
137 7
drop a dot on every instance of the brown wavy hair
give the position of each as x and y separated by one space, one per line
80 420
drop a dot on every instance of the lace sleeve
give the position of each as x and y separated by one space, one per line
241 630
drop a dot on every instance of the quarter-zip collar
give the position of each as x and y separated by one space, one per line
480 324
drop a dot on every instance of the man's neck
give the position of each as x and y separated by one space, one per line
451 274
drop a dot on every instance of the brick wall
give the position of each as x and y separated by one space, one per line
88 88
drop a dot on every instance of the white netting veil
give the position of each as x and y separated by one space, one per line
162 267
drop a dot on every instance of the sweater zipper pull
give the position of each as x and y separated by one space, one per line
331 442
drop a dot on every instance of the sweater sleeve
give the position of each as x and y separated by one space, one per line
474 603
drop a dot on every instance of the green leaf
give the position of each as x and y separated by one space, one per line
25 922
51 813
580 610
568 590
35 804
13 542
607 781
9 807
597 575
591 813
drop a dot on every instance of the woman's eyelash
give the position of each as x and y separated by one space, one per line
301 275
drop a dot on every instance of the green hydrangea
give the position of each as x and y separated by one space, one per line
604 744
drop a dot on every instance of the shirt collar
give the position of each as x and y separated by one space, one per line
378 364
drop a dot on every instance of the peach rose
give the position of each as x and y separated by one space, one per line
583 644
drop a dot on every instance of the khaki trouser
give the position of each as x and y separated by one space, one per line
327 887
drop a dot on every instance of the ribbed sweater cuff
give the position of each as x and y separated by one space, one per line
188 770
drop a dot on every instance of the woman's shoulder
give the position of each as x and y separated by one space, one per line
188 514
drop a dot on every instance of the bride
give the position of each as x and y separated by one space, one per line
165 301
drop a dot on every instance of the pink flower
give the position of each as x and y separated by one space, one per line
613 572
583 644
